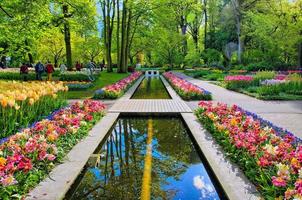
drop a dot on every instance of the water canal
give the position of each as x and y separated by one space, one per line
146 158
151 88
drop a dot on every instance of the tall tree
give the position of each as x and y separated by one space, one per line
108 11
67 38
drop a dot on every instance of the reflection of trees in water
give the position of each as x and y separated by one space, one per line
122 160
151 88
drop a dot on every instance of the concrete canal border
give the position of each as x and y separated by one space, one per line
231 178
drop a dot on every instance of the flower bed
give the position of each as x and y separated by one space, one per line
23 103
238 81
27 157
116 90
185 89
268 155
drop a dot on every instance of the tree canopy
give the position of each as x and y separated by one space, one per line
223 33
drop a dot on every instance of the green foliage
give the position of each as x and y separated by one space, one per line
263 75
291 88
212 57
259 66
79 86
193 58
73 77
237 85
16 76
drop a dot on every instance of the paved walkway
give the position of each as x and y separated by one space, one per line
150 105
286 114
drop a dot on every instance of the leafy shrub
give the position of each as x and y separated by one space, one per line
198 74
211 56
263 75
79 86
74 77
259 66
16 76
292 87
215 77
193 59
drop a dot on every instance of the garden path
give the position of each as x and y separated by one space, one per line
285 114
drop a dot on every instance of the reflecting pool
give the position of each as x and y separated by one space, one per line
146 158
151 88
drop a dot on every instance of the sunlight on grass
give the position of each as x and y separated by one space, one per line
104 79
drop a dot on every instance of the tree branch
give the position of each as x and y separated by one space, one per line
9 15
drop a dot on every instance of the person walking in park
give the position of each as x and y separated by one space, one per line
63 68
24 71
39 69
78 66
102 65
49 70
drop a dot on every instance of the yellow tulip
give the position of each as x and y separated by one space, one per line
3 103
2 161
31 101
11 103
17 107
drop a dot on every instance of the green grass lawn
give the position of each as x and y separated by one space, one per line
104 79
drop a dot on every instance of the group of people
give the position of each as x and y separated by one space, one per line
40 68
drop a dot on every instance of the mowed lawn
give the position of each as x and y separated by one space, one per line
104 79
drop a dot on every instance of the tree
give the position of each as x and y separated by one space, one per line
108 13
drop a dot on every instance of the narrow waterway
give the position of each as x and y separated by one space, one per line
151 88
146 158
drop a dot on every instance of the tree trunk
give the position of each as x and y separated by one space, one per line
205 24
103 3
237 13
67 37
124 38
30 56
300 54
238 24
118 35
128 38
108 44
56 61
183 27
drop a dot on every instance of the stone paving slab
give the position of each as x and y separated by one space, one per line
154 105
231 178
286 114
63 176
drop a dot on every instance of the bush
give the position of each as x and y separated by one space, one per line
193 59
16 76
211 57
263 75
259 66
215 77
197 74
74 77
292 87
78 86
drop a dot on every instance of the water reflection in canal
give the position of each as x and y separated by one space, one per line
151 88
146 157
